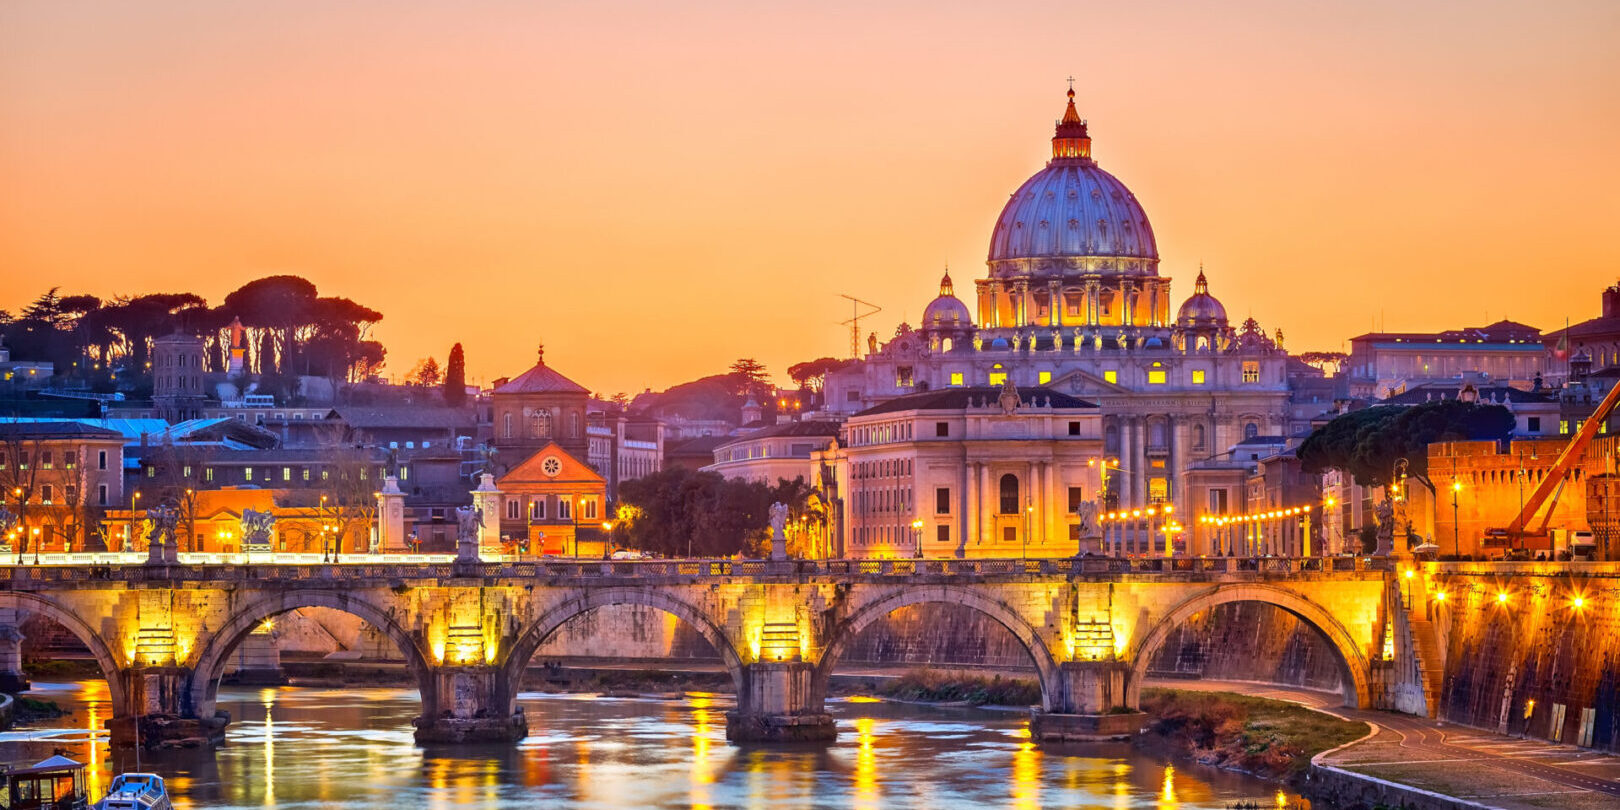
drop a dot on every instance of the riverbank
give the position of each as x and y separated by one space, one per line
1270 739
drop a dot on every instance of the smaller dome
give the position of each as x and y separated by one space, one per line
947 311
1202 309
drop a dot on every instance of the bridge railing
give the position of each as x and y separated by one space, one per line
372 567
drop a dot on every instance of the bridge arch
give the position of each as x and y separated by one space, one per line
215 654
1046 666
517 660
1353 667
65 616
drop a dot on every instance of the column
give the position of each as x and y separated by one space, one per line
391 518
970 507
1026 294
986 506
487 500
1054 299
1092 289
1127 290
1056 507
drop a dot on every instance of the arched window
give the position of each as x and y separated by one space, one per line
540 424
1009 494
1203 343
946 344
1250 430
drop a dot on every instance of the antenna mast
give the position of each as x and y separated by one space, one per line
854 323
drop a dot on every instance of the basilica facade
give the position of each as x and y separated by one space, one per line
1073 301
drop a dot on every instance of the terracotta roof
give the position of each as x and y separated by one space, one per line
541 380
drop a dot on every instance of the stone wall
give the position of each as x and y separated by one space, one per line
1249 641
1533 663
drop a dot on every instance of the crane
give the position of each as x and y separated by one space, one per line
854 323
1552 484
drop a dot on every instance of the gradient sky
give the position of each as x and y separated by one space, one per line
655 189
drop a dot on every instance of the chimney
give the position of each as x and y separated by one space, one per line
1611 302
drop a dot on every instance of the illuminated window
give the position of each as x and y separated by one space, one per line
247 473
956 378
1045 377
998 378
1111 376
1158 489
1251 371
1156 377
1198 376
1563 427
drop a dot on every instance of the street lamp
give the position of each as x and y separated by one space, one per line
1029 522
1456 487
36 545
916 529
607 532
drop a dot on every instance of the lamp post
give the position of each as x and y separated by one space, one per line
1029 522
916 529
1456 487
36 545
607 532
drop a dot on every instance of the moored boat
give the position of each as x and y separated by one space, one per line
136 791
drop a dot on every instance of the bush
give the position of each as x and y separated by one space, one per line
928 685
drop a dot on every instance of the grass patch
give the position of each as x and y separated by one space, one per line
27 709
1265 737
927 685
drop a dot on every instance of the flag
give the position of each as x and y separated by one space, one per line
1561 351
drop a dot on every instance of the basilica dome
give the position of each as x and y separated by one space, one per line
947 311
1074 210
1201 309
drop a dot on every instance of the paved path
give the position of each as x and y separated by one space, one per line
1491 769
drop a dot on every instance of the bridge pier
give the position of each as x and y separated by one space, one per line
159 715
470 705
777 704
12 679
1089 702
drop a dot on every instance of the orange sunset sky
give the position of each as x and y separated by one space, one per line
656 189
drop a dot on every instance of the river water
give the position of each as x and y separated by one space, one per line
305 747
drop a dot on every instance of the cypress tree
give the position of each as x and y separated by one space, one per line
455 377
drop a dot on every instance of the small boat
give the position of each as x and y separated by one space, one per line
55 783
136 791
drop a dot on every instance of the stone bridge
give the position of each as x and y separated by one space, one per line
164 634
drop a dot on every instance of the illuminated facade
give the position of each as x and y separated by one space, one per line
549 502
969 472
1074 302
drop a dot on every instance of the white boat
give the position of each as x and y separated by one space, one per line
136 791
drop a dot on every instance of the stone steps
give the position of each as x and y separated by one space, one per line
1430 664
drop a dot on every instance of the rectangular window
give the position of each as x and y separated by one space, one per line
942 429
70 458
47 494
303 472
1563 428
1198 376
1533 424
956 378
47 459
286 473
942 533
185 471
1074 428
1045 377
513 509
1251 371
404 472
942 501
1111 376
101 495
1077 496
247 473
101 460
537 509
998 378
1156 376
1158 490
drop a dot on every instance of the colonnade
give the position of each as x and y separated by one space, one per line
1124 301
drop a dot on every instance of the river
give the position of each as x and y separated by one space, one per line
319 747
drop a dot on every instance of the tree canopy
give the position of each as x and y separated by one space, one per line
1367 443
455 377
676 511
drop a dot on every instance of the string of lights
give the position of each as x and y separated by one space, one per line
1252 517
1136 514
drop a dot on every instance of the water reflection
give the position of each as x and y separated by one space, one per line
291 747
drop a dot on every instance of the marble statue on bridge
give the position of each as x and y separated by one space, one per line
161 546
469 520
256 528
779 516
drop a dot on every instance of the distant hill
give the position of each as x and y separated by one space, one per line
713 397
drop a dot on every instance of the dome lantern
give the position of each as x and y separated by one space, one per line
1071 141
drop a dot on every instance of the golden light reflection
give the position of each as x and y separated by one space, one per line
96 695
702 774
1026 772
1282 800
268 698
867 795
1167 794
863 699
